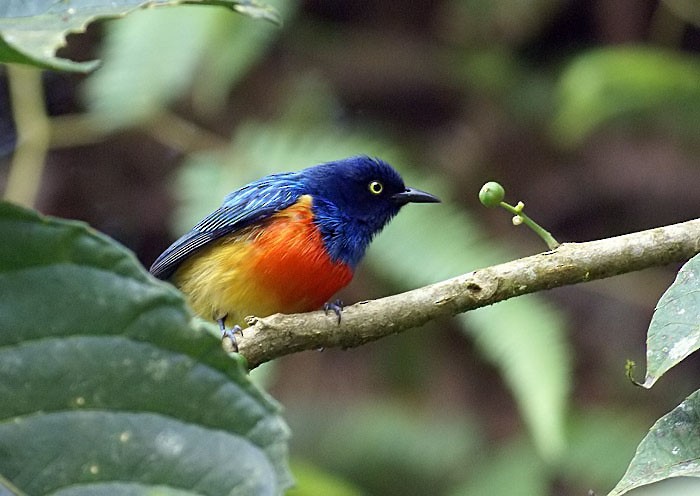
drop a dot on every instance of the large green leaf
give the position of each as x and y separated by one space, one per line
610 83
671 449
525 339
32 30
674 332
106 382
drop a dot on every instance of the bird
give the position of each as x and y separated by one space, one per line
285 243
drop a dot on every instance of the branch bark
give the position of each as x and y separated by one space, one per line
278 335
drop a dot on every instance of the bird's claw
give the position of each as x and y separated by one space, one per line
336 306
230 334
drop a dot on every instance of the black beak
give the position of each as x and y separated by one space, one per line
412 195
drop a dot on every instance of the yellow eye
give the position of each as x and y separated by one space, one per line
375 187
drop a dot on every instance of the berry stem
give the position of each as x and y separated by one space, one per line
552 243
492 195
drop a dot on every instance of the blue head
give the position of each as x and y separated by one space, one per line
354 199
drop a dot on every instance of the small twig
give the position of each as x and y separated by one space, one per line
32 128
181 134
71 130
571 263
168 128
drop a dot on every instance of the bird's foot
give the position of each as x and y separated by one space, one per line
336 306
228 336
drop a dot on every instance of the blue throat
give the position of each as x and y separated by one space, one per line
345 239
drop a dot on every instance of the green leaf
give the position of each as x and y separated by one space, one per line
513 469
106 381
671 449
525 339
32 30
312 481
609 83
152 57
674 332
8 489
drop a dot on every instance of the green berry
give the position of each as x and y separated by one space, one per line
491 194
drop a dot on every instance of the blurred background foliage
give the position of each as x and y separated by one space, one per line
587 111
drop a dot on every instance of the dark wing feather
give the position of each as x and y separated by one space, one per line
244 207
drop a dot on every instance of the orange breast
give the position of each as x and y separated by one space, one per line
281 266
291 261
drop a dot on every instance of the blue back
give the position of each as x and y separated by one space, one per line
346 211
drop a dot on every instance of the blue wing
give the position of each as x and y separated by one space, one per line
248 205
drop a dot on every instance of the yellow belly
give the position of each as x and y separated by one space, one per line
218 283
281 266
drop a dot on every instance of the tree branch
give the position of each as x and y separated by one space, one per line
571 263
